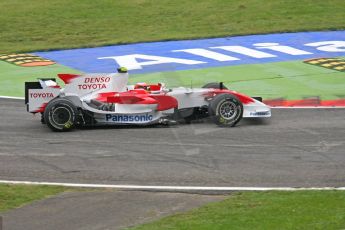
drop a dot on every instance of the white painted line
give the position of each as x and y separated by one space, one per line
307 107
170 188
8 97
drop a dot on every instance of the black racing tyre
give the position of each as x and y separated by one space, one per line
225 110
60 115
213 85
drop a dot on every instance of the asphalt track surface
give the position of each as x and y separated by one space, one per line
295 148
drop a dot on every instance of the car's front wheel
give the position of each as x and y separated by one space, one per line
225 110
60 115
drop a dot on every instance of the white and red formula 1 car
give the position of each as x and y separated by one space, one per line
106 99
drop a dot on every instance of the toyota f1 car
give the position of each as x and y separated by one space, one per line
106 99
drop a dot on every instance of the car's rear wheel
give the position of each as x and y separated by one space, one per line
214 85
225 110
60 115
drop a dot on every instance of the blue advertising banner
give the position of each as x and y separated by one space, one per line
203 53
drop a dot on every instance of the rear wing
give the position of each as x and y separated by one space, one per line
37 94
86 84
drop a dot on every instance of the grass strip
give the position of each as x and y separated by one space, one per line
45 25
13 196
263 210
